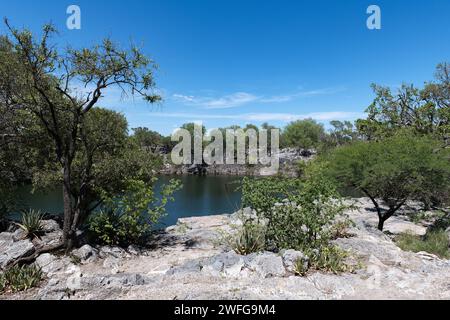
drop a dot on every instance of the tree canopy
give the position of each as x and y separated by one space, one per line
394 170
42 82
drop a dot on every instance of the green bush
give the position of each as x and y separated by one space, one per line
130 218
20 278
298 214
435 242
32 223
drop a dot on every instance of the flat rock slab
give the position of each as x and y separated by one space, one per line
10 250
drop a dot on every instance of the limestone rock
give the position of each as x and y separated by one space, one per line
51 264
10 250
109 251
292 257
50 226
266 265
86 254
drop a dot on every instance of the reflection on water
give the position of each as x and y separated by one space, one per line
200 196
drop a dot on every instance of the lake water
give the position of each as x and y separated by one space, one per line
200 196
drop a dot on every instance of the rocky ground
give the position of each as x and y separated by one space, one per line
190 261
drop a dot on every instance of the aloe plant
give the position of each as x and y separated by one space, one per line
32 223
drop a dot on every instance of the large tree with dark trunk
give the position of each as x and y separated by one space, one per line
59 88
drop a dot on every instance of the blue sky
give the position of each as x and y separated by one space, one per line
254 61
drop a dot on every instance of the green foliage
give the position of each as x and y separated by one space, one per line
436 242
329 258
425 111
128 218
76 139
20 278
151 140
31 223
297 214
250 238
340 229
400 168
3 283
304 134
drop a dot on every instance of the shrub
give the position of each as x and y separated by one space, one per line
435 242
130 218
299 214
32 223
249 239
329 258
20 278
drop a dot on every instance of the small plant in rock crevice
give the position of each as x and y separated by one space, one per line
20 278
250 238
31 223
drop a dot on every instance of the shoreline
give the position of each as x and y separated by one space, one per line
188 261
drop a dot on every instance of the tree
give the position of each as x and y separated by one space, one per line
303 134
425 111
150 140
38 79
342 132
392 171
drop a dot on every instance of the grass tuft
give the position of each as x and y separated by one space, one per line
435 242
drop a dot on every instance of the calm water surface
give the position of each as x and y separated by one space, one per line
200 196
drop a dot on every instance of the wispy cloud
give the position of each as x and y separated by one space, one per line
242 98
229 101
263 117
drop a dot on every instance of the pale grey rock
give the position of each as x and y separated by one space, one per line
51 238
266 265
86 254
109 251
11 251
112 264
19 234
52 265
292 257
134 250
118 280
50 226
228 264
192 266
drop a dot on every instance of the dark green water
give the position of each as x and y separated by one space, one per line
200 196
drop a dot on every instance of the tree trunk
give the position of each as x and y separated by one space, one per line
68 208
381 222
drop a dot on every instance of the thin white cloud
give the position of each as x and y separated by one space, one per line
242 98
263 117
229 101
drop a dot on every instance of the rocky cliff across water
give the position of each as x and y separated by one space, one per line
289 159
